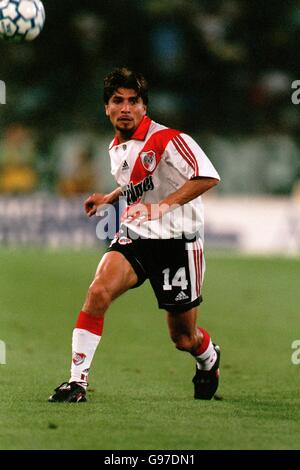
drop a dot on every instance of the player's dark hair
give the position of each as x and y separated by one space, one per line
125 78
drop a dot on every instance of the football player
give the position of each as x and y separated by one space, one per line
162 173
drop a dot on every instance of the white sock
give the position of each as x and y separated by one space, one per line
207 359
84 345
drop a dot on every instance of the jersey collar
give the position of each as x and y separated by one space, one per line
139 134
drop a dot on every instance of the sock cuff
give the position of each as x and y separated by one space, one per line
90 323
205 342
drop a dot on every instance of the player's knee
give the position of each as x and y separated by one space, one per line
98 297
183 342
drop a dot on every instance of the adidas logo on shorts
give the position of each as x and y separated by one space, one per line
181 296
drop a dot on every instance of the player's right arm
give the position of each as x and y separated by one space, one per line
96 200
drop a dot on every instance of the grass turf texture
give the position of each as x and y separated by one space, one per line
141 395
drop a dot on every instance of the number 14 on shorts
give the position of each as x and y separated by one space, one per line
179 280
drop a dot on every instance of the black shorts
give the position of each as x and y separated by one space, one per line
174 268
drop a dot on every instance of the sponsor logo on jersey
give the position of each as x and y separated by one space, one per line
78 358
148 160
133 192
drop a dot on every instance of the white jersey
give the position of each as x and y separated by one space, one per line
156 162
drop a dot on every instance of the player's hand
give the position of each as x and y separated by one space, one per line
140 213
93 202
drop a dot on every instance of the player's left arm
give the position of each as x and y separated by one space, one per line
189 191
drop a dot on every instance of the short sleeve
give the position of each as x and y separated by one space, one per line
189 159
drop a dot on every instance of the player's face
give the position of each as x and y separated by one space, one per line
125 110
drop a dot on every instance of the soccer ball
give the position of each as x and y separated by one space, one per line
21 20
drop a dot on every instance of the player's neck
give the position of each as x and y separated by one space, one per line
124 136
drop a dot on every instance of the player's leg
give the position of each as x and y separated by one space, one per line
114 276
183 330
191 338
176 276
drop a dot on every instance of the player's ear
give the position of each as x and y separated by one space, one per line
106 110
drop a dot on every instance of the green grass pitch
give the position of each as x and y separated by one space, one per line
141 395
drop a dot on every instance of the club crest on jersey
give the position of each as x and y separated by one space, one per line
148 160
78 358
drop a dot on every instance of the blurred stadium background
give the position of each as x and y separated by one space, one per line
221 70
